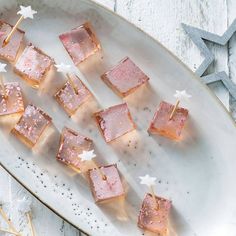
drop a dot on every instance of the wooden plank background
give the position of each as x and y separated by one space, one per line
162 20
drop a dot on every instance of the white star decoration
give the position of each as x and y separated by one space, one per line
24 205
182 95
87 155
64 68
2 67
147 180
26 12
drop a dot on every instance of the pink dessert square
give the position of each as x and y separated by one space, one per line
72 144
9 52
33 65
31 125
114 121
125 77
11 100
106 189
80 43
72 95
163 125
154 219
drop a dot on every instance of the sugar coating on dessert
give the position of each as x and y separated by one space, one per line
106 189
80 43
33 64
125 78
32 124
71 145
9 52
73 94
115 121
152 218
163 125
11 100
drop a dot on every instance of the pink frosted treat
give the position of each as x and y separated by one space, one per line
162 124
72 144
9 52
80 43
31 125
125 77
152 219
72 95
115 121
105 189
11 100
33 65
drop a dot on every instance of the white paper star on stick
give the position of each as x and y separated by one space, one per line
180 95
150 182
24 206
88 156
25 12
67 69
147 180
12 229
64 68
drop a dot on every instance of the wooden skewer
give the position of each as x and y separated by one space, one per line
30 223
174 109
9 232
6 41
2 86
100 171
10 225
104 177
154 198
72 83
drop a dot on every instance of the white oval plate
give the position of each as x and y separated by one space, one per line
197 174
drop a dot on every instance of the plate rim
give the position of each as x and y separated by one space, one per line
196 77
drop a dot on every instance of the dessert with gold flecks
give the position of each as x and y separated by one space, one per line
115 121
80 43
31 125
33 65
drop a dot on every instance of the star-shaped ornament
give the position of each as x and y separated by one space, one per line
26 12
198 36
64 68
147 180
87 155
182 95
24 205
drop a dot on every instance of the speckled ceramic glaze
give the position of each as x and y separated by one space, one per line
196 174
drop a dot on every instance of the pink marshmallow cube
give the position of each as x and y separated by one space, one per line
31 125
105 189
162 124
72 144
9 51
33 65
125 77
115 122
11 100
72 95
154 216
80 43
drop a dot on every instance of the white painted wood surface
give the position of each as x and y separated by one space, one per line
162 20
